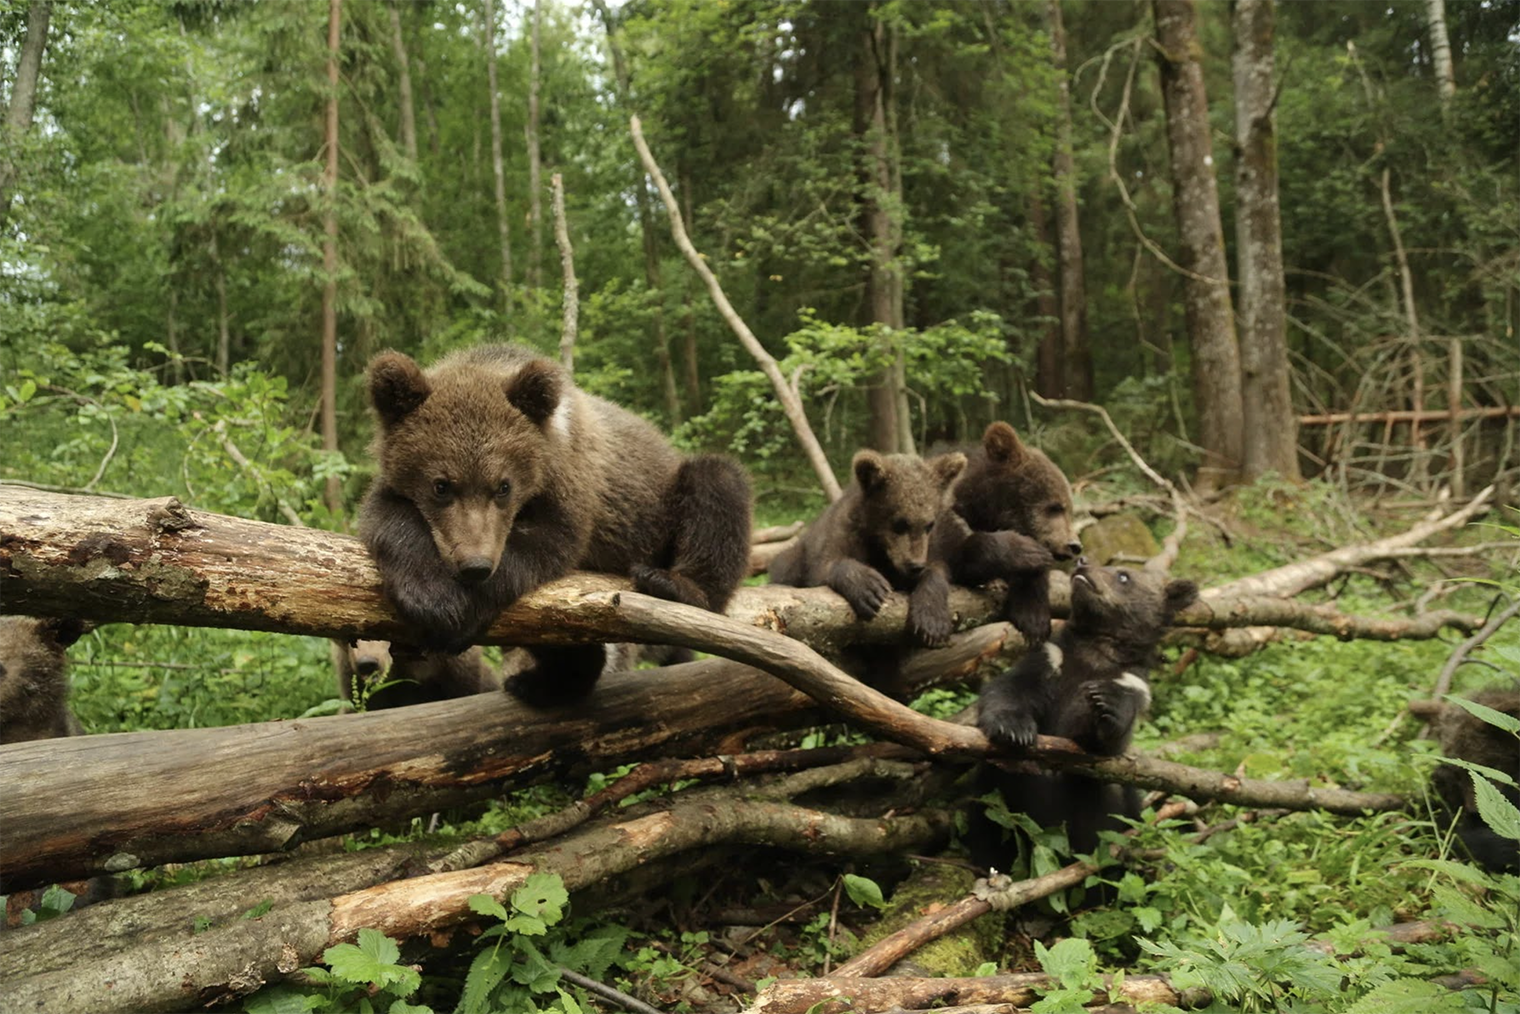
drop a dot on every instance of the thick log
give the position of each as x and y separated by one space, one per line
840 994
184 970
157 561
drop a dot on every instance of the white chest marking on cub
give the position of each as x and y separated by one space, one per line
1053 655
1138 685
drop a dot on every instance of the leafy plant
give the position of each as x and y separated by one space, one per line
363 977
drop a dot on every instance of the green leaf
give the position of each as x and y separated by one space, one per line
372 963
282 1000
542 895
1408 996
484 904
863 891
402 1007
27 389
1497 812
592 954
1508 723
567 1003
486 971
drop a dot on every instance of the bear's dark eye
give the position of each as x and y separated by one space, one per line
1055 509
929 528
504 489
441 487
1123 577
901 526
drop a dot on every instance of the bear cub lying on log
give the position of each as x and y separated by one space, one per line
1010 518
34 680
497 474
1089 685
876 538
402 677
1465 736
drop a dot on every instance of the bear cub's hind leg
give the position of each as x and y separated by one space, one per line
707 512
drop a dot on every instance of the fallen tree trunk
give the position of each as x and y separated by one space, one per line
188 970
146 798
841 994
157 561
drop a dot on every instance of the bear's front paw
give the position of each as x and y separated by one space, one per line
1114 713
929 625
542 689
866 591
664 584
1025 554
1008 726
1030 616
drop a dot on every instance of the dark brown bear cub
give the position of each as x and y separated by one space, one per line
1011 518
34 680
876 538
1465 736
389 676
1089 685
497 474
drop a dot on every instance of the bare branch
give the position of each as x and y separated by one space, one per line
567 268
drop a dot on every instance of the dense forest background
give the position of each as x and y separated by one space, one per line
973 195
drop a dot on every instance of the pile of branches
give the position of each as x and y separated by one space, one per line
87 806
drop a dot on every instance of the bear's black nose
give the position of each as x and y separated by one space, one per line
1074 548
475 570
367 665
913 570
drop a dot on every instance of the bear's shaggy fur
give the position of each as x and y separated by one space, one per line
34 681
497 474
403 677
1011 518
1088 684
876 538
1465 736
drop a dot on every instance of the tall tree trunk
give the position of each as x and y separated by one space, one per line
403 84
652 277
871 83
1440 52
18 115
1048 375
689 337
504 229
1206 286
535 183
223 334
334 491
1271 429
1076 356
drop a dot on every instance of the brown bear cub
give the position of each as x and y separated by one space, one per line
1011 518
400 677
497 474
1467 737
34 681
1089 685
876 538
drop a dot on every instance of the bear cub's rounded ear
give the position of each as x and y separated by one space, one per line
869 468
1002 443
397 387
534 390
1179 595
63 631
948 467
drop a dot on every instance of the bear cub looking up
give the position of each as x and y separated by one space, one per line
34 680
876 538
497 474
1011 518
1089 685
401 677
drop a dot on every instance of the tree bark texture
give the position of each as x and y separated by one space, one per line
1076 355
1206 284
1270 430
570 311
790 404
535 171
1440 52
1048 377
403 83
872 94
18 115
334 490
183 970
503 227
